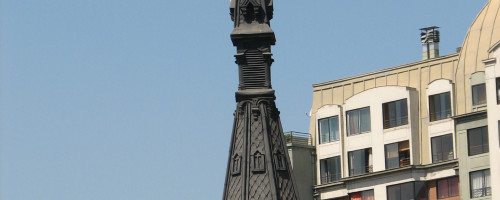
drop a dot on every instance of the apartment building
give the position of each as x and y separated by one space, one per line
424 130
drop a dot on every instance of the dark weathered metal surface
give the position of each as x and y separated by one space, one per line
258 165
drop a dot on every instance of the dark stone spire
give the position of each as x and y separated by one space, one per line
258 164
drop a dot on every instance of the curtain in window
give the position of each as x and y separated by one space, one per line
454 187
443 190
352 122
487 182
476 184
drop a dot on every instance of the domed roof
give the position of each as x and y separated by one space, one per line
483 33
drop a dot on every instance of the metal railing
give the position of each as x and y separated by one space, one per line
389 123
362 170
439 115
481 192
298 138
442 156
328 178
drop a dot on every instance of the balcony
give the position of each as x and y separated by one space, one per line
293 138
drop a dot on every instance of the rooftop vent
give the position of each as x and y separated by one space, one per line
429 37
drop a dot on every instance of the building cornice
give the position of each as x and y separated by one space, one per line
385 70
453 164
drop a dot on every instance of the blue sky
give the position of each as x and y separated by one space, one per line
128 99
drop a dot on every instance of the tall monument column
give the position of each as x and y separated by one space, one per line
258 165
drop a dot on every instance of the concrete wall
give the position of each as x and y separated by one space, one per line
469 163
418 75
492 72
303 164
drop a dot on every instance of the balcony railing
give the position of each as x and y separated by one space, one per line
439 115
389 123
481 192
298 138
442 156
328 178
362 170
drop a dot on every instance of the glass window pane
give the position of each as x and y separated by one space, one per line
439 106
476 184
477 140
454 187
484 132
365 120
334 128
447 146
442 188
324 131
394 192
391 155
436 149
478 94
407 191
367 195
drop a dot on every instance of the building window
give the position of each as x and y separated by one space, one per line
395 113
498 90
358 121
478 140
439 106
442 148
447 187
479 94
480 185
397 155
364 195
360 162
411 190
329 129
330 169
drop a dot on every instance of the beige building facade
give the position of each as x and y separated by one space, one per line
406 131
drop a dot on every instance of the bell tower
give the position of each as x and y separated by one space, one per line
258 164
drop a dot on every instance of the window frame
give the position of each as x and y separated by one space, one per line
498 89
358 126
449 184
403 113
484 140
414 184
484 189
328 177
399 155
362 193
330 139
445 113
368 159
476 101
441 148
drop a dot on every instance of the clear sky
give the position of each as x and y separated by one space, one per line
129 99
